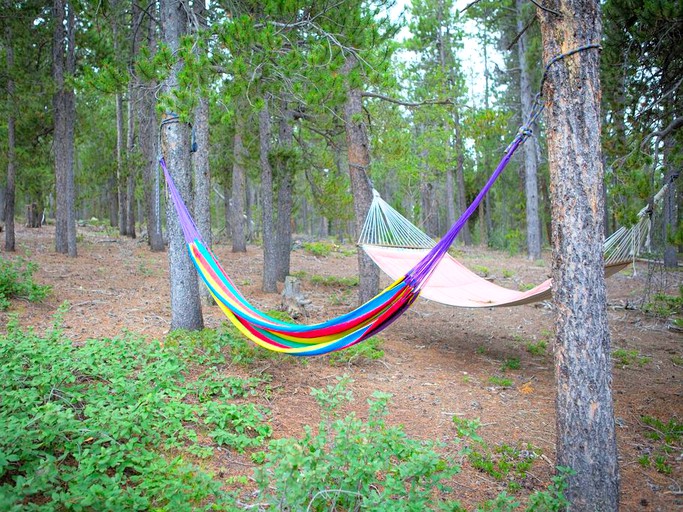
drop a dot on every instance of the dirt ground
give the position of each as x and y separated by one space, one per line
438 359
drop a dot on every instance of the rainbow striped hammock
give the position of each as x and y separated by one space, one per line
346 330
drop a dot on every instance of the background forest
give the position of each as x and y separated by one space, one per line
440 93
277 119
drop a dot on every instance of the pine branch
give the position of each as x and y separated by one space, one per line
660 134
410 104
527 27
469 5
546 9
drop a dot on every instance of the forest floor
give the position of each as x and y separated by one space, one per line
439 362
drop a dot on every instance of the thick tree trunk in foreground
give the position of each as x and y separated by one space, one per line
186 311
585 418
10 188
533 224
269 243
64 104
359 163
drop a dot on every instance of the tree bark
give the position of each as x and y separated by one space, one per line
186 311
427 206
450 197
200 159
269 243
120 190
10 188
202 180
359 163
130 168
465 234
239 242
64 63
112 202
285 192
669 204
148 128
533 224
448 64
585 418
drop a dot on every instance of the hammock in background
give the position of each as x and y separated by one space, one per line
396 245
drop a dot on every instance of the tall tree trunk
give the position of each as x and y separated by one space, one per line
120 190
585 417
64 63
227 195
150 172
485 207
533 224
448 66
427 207
200 158
250 205
202 180
285 192
10 188
359 163
130 168
465 234
112 202
186 311
269 243
450 197
239 242
669 214
148 128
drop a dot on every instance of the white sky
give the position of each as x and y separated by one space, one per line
472 54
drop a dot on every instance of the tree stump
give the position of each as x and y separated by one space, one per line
294 302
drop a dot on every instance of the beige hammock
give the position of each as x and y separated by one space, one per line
454 284
396 246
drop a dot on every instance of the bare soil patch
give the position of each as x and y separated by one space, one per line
438 360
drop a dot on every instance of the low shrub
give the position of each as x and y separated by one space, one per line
16 281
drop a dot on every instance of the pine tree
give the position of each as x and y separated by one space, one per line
64 103
586 439
186 312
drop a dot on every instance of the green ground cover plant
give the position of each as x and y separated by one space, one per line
511 363
16 281
666 306
502 382
113 423
539 348
623 358
368 350
666 437
351 464
323 249
120 424
334 281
